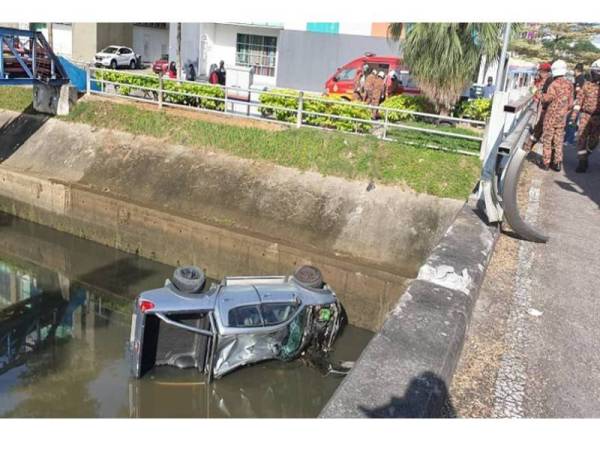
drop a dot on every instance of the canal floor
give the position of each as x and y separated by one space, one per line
65 309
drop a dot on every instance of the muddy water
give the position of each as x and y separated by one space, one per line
65 308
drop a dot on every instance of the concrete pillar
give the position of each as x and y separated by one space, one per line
56 100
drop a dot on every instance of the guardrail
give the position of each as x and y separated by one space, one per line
237 101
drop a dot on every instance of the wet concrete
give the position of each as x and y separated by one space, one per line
65 308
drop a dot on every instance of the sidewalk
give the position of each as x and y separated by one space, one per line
533 348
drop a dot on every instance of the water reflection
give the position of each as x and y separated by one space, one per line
64 333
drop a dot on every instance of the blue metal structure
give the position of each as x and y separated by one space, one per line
26 58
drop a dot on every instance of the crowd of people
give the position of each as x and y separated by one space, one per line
373 87
216 75
566 105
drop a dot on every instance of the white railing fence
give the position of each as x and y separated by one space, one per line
238 101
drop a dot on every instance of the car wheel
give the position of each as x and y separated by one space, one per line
113 65
132 64
309 276
188 279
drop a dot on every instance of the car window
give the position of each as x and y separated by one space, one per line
109 50
346 74
125 51
244 316
274 313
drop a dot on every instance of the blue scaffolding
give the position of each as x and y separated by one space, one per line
26 58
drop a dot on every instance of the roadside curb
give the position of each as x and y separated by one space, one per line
407 367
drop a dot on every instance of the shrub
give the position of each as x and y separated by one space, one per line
314 104
478 109
177 89
417 103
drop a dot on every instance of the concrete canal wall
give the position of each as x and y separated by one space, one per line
180 205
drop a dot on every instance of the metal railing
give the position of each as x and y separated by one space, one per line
238 101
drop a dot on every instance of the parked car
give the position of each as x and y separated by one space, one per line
115 56
340 85
240 321
161 65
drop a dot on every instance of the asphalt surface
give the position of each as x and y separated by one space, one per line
533 347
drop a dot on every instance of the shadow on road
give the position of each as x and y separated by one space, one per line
588 183
426 397
15 132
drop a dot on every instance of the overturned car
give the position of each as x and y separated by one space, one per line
239 321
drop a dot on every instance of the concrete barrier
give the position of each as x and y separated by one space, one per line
406 368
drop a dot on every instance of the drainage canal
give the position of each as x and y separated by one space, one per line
65 308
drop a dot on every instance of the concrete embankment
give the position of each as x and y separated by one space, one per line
180 205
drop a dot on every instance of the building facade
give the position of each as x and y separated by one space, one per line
281 54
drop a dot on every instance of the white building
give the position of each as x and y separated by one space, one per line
271 47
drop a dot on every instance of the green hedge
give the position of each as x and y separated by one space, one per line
478 109
315 104
178 88
417 103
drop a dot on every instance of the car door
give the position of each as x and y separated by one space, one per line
125 56
252 333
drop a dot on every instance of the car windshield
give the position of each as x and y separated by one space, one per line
110 50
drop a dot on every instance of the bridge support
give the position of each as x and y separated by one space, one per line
55 100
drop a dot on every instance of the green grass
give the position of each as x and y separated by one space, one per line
330 153
15 98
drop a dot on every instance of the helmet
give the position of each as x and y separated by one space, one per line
595 70
545 67
381 74
559 68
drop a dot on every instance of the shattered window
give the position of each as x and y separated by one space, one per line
245 316
274 313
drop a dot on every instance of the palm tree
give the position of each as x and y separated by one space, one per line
444 57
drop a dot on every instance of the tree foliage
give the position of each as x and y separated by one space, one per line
444 57
571 42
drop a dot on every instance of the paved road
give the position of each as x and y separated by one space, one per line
533 349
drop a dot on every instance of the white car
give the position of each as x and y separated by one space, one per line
115 56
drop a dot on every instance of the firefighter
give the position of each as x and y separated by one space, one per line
541 85
359 83
587 105
369 83
376 92
559 101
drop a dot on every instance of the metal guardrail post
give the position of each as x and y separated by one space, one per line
160 91
300 109
385 124
225 102
88 79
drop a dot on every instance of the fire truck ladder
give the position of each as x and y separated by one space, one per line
27 59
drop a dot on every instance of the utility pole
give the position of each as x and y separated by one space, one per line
50 35
179 68
502 63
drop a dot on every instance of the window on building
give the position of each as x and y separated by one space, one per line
258 52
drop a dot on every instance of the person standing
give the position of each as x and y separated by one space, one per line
376 92
559 100
489 88
541 85
172 70
587 104
221 73
191 73
358 93
573 118
579 77
369 83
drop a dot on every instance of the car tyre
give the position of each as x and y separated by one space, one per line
132 64
188 279
309 276
113 65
